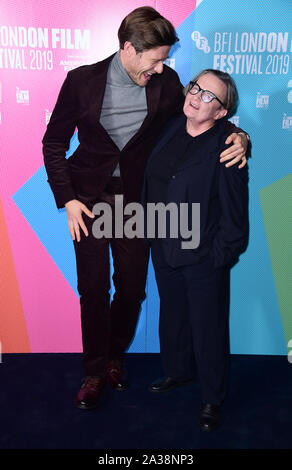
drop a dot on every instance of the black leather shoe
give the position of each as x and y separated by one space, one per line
88 395
210 417
165 384
117 377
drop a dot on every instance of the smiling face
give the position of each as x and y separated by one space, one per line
203 115
140 66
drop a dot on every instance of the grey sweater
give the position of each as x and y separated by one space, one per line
124 106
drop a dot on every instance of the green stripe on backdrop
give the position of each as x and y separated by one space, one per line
276 203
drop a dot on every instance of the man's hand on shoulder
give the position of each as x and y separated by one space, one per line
236 152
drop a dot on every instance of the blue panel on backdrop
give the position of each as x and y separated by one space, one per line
254 47
36 202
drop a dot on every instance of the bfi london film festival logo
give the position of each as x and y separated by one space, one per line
162 221
22 96
201 42
262 101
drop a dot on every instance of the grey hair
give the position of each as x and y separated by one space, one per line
231 98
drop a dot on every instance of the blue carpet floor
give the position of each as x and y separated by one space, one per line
37 410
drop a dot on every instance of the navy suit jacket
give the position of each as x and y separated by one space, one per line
222 193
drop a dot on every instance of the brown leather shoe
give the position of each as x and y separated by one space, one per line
116 375
88 396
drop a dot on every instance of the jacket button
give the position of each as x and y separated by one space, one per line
173 177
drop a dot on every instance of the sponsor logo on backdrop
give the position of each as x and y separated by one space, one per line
170 63
290 91
262 101
22 96
247 52
287 122
28 48
235 120
71 64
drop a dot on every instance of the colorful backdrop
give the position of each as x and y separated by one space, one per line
40 40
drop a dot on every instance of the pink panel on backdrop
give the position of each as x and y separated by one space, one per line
48 316
50 305
175 11
13 329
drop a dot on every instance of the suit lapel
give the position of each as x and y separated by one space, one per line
96 85
153 91
95 89
94 93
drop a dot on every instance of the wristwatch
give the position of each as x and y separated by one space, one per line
246 135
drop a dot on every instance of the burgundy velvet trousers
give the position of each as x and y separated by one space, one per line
109 326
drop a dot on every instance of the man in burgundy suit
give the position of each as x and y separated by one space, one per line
119 106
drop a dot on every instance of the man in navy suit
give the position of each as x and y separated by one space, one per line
119 106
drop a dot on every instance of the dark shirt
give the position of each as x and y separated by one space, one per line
162 169
185 169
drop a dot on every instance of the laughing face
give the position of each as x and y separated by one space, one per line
140 66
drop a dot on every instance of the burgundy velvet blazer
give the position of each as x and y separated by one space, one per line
84 175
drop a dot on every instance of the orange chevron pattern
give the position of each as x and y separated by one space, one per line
13 333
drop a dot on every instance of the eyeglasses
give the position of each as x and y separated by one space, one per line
206 96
